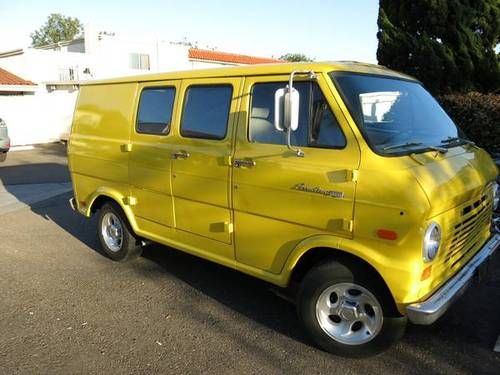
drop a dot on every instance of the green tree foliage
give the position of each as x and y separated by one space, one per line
447 44
57 28
295 57
478 115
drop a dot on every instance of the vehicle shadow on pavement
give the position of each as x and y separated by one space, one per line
420 348
249 296
36 173
24 185
58 210
462 340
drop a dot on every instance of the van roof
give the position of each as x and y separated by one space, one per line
260 69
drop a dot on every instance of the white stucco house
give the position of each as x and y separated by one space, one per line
43 112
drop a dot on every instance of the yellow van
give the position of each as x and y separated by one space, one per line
345 184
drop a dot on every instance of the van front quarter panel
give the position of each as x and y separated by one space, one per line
390 213
389 221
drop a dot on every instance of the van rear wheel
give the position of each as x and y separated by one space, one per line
346 311
117 239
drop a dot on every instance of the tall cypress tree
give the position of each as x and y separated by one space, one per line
449 45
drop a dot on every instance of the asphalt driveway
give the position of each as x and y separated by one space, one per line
65 308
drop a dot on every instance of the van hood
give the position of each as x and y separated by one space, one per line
453 178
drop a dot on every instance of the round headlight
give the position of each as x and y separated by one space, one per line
432 240
496 196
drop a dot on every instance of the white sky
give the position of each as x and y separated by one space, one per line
321 29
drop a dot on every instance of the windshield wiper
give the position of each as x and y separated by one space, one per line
449 140
413 144
438 149
402 145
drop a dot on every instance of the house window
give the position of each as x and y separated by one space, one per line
69 73
139 61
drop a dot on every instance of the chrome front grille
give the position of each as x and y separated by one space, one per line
464 235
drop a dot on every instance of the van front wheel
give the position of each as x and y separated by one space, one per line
117 239
345 311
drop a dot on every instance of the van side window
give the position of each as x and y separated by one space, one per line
324 131
318 126
155 110
262 115
206 111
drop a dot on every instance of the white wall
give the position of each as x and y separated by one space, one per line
43 65
40 118
46 116
105 56
110 57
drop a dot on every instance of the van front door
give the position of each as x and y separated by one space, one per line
280 198
200 163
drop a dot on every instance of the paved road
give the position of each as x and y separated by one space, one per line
65 308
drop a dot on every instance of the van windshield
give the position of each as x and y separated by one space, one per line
396 116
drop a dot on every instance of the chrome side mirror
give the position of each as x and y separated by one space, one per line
286 109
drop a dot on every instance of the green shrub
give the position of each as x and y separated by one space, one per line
478 115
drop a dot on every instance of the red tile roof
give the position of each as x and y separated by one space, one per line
203 54
7 78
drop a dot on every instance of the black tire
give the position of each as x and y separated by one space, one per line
3 156
326 276
129 247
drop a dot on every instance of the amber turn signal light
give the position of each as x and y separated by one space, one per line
387 234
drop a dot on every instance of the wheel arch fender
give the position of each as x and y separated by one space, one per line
323 247
304 247
104 194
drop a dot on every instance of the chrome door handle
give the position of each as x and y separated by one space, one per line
248 163
181 155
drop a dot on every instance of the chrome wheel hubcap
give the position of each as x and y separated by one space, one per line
349 313
112 231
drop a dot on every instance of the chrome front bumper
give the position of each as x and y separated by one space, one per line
428 311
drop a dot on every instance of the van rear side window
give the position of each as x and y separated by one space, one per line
206 111
155 110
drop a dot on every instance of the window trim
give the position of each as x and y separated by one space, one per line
169 125
324 147
184 101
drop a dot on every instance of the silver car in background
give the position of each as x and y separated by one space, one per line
4 140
